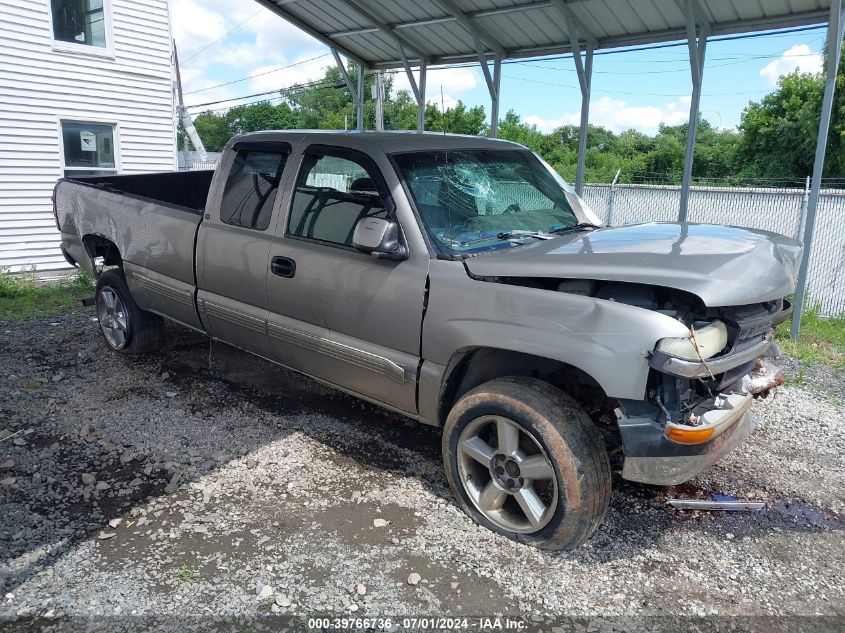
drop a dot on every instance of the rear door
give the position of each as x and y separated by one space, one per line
335 313
234 241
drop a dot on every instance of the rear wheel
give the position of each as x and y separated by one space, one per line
127 328
524 460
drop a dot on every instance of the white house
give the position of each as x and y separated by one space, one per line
85 88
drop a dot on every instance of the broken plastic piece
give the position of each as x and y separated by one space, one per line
727 506
762 378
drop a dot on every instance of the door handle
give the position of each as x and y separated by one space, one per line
283 266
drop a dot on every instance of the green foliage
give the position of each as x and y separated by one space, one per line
776 139
779 132
21 298
822 340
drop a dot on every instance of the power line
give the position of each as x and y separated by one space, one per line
220 39
282 92
266 72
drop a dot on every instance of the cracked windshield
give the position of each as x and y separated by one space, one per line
473 200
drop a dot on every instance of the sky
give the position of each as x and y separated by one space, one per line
252 50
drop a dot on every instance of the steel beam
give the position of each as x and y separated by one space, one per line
835 33
585 119
584 70
421 103
471 27
357 93
697 43
494 96
383 26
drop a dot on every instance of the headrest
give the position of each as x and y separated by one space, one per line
363 184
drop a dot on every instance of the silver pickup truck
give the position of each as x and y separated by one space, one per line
461 282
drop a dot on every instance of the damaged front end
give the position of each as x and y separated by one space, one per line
700 391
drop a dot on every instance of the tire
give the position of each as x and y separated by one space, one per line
559 456
126 328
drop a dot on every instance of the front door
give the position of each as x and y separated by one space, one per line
335 313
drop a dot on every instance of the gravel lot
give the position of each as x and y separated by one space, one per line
204 482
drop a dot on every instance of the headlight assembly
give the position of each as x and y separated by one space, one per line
708 341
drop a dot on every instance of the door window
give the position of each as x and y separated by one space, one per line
251 188
333 193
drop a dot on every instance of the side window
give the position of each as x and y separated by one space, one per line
333 194
251 188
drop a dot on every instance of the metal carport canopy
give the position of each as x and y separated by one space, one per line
439 31
381 34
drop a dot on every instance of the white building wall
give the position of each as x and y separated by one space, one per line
127 84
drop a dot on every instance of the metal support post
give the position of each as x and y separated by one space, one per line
494 96
378 95
697 43
835 31
421 101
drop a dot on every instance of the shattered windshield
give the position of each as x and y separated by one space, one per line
481 199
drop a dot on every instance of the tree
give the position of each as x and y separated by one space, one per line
779 132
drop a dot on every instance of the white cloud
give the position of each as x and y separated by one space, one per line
618 115
452 83
799 57
264 42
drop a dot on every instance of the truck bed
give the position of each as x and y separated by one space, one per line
153 220
188 189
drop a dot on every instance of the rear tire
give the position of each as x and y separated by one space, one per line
525 460
126 328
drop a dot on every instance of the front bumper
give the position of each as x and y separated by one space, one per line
651 458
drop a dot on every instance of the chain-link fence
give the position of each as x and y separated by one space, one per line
779 210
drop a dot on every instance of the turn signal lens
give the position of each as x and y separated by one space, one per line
689 435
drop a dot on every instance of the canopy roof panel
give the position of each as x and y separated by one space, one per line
378 32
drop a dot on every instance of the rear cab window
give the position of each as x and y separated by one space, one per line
335 189
252 184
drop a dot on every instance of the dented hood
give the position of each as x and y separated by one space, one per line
722 265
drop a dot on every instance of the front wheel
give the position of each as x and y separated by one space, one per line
127 328
524 460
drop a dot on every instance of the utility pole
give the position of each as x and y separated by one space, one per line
379 97
185 118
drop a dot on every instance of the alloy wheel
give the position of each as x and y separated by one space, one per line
113 316
507 474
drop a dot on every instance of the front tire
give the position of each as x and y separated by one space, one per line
524 460
126 328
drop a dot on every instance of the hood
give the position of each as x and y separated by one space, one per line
722 265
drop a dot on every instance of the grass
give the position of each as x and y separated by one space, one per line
187 574
822 340
21 298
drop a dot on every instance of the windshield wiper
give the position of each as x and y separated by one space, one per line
581 226
509 235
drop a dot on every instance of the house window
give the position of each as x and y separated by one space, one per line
79 22
88 149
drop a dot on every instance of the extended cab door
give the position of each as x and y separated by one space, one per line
335 313
234 240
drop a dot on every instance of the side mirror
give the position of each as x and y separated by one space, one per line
380 238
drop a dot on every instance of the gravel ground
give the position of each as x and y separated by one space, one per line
204 482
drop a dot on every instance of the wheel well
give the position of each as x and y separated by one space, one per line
99 246
471 367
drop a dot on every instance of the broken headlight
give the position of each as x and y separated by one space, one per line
703 342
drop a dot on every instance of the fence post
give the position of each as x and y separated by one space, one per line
802 212
611 196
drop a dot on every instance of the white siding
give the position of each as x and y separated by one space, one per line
40 86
